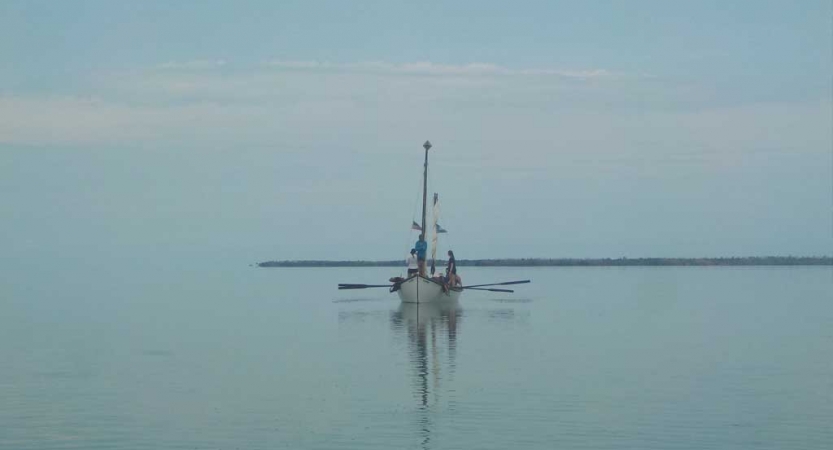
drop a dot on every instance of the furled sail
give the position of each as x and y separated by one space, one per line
435 213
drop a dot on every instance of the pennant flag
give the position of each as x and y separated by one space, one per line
415 226
441 229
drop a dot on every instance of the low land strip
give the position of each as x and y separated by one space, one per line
580 262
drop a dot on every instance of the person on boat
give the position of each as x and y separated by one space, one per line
421 247
411 261
451 269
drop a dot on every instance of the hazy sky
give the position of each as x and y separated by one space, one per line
293 129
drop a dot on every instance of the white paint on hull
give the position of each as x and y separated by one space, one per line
423 290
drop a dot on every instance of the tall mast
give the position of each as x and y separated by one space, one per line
426 146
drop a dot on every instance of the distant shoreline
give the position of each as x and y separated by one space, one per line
581 262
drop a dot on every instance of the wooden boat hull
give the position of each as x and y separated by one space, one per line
424 290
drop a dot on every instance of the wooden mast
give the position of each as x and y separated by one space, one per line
426 146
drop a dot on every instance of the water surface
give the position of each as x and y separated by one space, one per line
225 357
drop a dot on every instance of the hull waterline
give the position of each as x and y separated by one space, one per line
423 290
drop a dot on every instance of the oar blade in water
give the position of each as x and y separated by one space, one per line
491 290
505 283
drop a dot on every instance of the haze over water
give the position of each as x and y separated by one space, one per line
151 150
227 356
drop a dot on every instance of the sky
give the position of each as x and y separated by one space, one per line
260 130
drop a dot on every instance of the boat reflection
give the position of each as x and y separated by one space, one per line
425 325
431 329
428 333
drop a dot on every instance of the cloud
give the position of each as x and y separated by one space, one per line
199 64
433 69
71 120
288 82
318 103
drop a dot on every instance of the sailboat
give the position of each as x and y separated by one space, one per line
420 288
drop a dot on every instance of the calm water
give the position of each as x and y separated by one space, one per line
184 357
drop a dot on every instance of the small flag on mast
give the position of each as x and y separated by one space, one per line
415 226
441 229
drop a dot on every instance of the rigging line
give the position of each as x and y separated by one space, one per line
449 244
433 190
448 238
408 244
418 194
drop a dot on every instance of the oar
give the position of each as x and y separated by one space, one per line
362 286
496 284
490 290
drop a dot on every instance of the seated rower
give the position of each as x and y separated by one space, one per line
451 270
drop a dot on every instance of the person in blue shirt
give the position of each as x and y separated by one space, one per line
421 247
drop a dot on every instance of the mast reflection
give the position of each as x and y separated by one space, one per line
425 325
428 335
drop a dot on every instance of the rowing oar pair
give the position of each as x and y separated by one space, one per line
474 287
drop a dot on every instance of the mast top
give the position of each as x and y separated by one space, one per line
426 145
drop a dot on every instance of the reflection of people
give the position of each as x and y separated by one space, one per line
421 247
412 263
451 269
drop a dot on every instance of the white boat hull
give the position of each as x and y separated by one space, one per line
423 290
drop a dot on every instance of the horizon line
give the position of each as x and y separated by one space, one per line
621 261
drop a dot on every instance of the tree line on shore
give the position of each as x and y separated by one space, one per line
580 262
